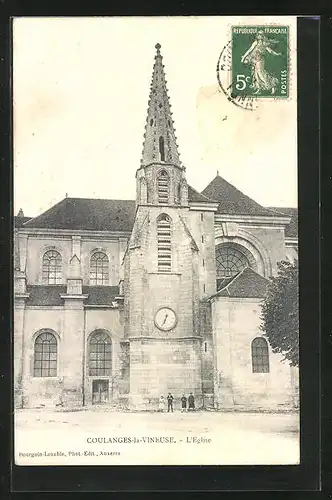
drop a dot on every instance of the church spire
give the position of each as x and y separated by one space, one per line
159 138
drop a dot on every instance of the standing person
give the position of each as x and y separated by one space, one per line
191 402
170 402
162 403
183 403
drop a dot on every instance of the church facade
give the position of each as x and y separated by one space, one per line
120 301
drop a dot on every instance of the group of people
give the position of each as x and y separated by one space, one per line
186 403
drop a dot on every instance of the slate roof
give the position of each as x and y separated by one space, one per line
94 214
44 295
100 295
246 284
49 295
232 201
195 196
19 221
291 230
89 214
118 215
222 282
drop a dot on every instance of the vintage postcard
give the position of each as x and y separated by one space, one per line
155 241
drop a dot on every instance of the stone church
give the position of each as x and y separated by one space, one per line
120 301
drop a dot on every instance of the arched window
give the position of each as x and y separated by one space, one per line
164 243
99 269
45 356
260 355
161 148
100 354
52 268
230 261
163 187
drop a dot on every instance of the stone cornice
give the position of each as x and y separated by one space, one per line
203 206
69 233
166 273
163 205
45 308
23 296
291 241
101 306
224 298
169 338
66 296
159 164
253 219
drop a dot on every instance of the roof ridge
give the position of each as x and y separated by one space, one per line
209 199
232 280
236 276
238 190
250 269
46 211
229 194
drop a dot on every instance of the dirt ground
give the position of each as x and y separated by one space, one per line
44 437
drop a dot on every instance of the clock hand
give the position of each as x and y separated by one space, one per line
166 316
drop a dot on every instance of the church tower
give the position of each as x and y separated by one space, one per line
160 179
162 266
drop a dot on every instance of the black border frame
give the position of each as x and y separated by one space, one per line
210 478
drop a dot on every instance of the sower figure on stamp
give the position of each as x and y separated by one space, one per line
183 403
191 402
170 402
255 57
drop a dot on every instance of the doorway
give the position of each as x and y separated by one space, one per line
100 391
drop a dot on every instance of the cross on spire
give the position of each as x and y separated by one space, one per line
159 139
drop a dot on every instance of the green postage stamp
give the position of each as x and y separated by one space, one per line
260 61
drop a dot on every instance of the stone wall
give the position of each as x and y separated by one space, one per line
235 324
72 325
159 366
33 249
273 240
107 320
207 353
266 244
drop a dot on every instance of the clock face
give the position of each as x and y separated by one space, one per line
165 319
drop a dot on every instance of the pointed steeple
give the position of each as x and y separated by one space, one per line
159 138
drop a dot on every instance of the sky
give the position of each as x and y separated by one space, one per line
80 97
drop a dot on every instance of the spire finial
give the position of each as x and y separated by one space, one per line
217 172
158 46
